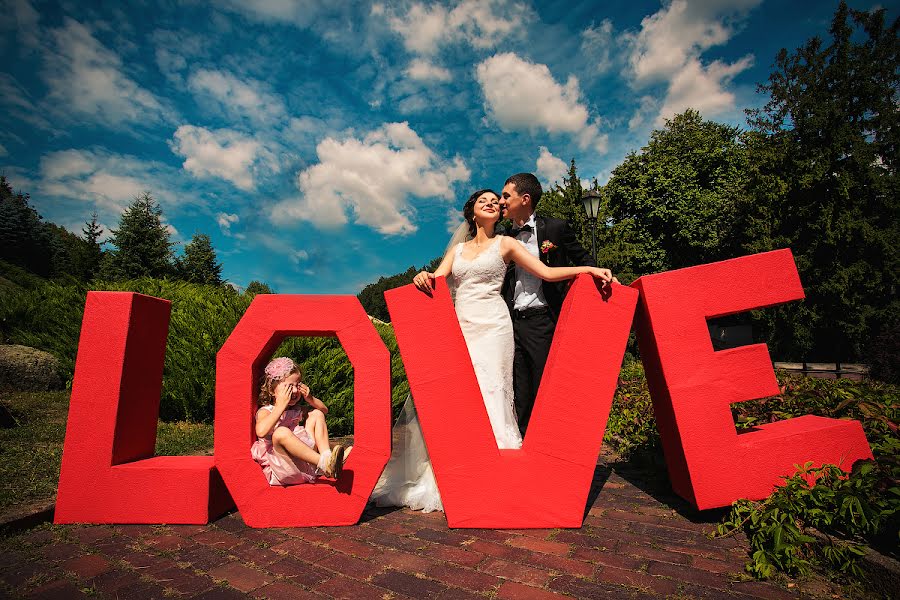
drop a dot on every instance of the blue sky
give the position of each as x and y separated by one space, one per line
324 144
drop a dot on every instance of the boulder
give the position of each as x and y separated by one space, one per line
29 370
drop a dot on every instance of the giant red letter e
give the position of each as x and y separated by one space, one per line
709 463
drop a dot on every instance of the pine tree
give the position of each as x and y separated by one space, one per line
199 265
24 240
93 253
142 245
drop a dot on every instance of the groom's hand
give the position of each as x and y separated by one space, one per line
424 281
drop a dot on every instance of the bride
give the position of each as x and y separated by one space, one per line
478 267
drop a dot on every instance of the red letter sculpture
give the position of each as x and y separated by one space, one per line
692 386
240 363
546 483
109 473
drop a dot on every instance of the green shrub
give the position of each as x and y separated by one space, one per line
631 428
827 523
49 317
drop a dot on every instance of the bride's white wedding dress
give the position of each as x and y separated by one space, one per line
408 479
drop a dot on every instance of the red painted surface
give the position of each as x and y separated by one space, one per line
239 366
546 483
709 463
109 473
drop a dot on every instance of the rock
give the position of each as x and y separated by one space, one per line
27 369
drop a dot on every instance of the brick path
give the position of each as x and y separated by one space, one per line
638 541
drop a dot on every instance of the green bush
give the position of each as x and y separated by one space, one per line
631 428
826 523
49 315
824 516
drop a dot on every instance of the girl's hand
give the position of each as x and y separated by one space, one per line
304 390
283 394
424 281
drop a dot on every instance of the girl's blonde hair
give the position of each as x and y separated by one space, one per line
276 370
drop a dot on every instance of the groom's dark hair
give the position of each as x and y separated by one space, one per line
526 183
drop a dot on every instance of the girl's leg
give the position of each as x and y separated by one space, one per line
318 430
286 442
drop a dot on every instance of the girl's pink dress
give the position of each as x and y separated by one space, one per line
281 469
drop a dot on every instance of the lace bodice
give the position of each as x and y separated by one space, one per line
480 277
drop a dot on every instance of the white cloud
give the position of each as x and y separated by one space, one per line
424 71
549 168
21 20
702 88
668 47
295 12
521 95
479 23
110 181
87 80
454 218
371 181
238 98
225 221
648 104
222 153
597 44
18 103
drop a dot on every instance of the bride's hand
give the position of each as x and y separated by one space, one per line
604 275
424 281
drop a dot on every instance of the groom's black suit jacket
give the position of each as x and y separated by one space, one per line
566 251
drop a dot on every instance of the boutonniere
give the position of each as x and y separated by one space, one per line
547 246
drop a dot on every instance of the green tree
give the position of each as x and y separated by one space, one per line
257 287
142 244
824 182
673 204
93 253
24 239
372 296
66 251
563 201
199 264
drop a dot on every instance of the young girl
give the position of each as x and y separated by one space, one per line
288 452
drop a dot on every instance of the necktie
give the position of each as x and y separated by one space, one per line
517 230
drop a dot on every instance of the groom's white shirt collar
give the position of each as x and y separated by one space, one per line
530 221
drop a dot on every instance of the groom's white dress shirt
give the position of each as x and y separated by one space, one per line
528 291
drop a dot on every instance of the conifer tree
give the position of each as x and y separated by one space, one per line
24 240
142 244
93 253
199 265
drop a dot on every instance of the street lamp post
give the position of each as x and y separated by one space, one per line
591 200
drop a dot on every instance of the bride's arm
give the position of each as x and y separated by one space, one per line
513 251
425 280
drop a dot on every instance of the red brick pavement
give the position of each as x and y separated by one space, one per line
637 541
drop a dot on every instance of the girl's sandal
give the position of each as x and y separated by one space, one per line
336 462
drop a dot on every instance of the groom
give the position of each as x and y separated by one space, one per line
535 304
